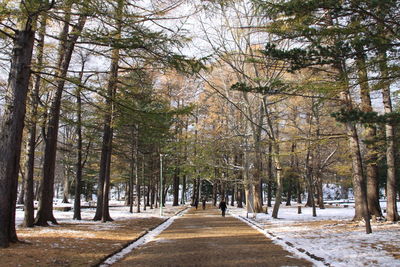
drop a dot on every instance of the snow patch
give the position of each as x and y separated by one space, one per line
330 236
280 242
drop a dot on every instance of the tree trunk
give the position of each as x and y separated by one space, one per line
45 210
103 162
298 190
184 177
79 164
359 183
11 129
183 193
289 197
148 193
131 178
320 193
292 176
257 178
106 189
233 195
22 190
176 185
239 198
257 184
248 186
194 191
199 184
279 184
102 211
215 190
66 186
371 158
269 176
310 185
136 159
391 206
177 163
152 196
34 101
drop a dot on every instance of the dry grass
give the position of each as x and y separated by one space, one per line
82 244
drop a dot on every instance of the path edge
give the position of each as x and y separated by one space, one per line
299 252
143 234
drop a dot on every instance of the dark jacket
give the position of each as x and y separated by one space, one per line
222 205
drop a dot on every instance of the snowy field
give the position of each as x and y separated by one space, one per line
331 236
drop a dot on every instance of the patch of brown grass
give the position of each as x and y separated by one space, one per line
393 250
82 244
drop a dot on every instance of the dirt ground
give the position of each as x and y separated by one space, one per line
78 244
205 238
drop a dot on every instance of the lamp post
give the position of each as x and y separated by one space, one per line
161 184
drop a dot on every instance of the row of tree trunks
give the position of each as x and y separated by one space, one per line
67 45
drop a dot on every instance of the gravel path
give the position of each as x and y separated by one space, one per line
205 238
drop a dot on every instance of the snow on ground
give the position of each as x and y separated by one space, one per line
118 212
331 236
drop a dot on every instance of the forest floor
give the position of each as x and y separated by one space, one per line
79 243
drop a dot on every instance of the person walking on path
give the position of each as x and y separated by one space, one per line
204 203
196 203
222 206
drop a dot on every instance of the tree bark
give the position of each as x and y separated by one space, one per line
177 168
11 129
391 206
66 186
269 176
176 185
233 192
34 101
136 159
371 155
279 184
102 209
79 163
184 177
257 177
106 189
215 190
257 181
183 193
21 195
309 180
247 184
359 183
